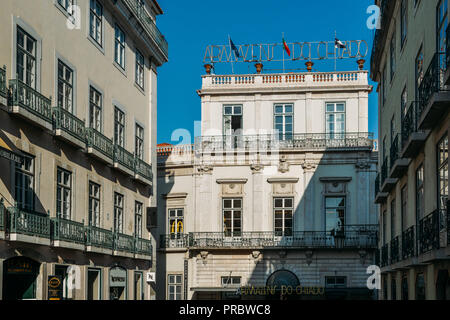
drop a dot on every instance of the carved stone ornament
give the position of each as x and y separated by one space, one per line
205 169
309 255
204 256
309 166
283 166
362 165
256 168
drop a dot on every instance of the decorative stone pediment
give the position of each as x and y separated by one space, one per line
232 186
283 186
335 184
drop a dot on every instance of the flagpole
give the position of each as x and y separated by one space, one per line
231 54
335 55
283 51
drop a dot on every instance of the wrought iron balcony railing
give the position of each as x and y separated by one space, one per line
69 123
384 255
174 240
433 81
137 8
395 250
28 223
409 122
99 142
143 246
272 142
144 169
3 88
124 157
429 232
28 98
408 243
394 150
447 47
98 237
67 230
350 237
124 242
384 170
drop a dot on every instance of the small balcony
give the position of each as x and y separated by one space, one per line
394 250
412 138
99 146
143 172
447 57
124 245
69 128
429 232
124 161
434 95
143 249
174 241
28 226
399 165
29 104
408 243
99 240
380 197
68 234
3 88
272 142
387 183
384 255
148 25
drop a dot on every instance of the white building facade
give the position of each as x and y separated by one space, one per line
277 192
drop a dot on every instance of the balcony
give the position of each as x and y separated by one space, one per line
68 234
408 243
69 128
380 197
124 245
29 104
394 250
148 25
124 161
99 146
447 56
3 88
31 227
353 237
288 82
143 248
174 241
387 183
99 240
399 165
143 172
412 138
384 255
434 95
428 233
298 142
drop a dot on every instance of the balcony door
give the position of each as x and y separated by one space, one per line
176 226
335 121
232 125
232 218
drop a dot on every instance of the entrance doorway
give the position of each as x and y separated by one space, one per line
19 278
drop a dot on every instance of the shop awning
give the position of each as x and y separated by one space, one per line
7 152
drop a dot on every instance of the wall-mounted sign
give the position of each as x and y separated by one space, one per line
117 277
20 265
55 288
151 277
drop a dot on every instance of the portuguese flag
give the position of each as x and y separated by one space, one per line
286 47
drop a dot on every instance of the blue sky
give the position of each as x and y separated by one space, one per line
190 26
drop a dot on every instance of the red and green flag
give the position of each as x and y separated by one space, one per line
286 47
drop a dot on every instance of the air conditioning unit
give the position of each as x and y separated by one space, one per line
151 277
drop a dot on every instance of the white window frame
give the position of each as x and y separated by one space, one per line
335 134
234 231
96 22
63 193
119 46
95 109
23 171
119 203
284 115
94 203
67 85
140 70
284 208
174 281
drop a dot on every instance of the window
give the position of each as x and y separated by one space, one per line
230 281
24 190
95 22
283 119
392 219
232 119
442 166
94 204
65 87
392 56
334 213
420 287
383 86
393 289
95 109
419 71
420 206
176 223
139 143
118 212
441 26
119 48
335 282
232 215
63 193
283 216
119 127
26 58
66 5
138 219
392 130
335 120
403 21
404 206
140 62
174 287
404 102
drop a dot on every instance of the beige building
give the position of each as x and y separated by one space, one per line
410 62
77 134
277 191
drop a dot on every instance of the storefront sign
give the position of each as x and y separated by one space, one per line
117 277
55 288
